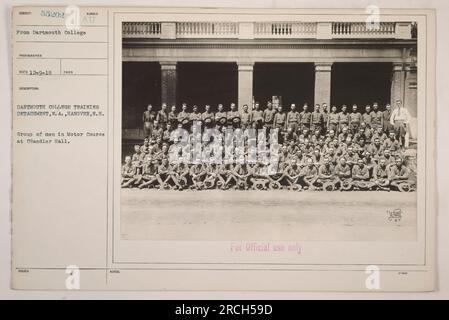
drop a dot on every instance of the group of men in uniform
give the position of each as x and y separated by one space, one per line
319 149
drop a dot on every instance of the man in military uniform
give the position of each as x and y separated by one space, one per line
232 177
369 161
137 159
343 118
167 133
173 117
158 131
257 117
386 119
148 118
279 179
223 173
195 117
259 179
379 134
355 118
317 119
290 136
381 175
163 173
361 146
279 120
184 116
292 173
389 159
233 117
400 176
209 176
360 134
293 118
342 148
242 173
207 117
352 157
326 173
304 135
392 143
343 172
366 117
198 174
325 116
128 173
309 174
268 116
376 148
331 136
300 157
305 118
332 155
344 134
316 136
220 117
376 117
245 118
149 176
164 151
173 172
162 116
333 120
360 175
183 174
284 155
146 145
292 147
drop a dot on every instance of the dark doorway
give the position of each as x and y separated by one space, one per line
210 83
141 85
295 82
361 83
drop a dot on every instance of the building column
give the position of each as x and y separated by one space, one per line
410 97
397 83
323 82
168 83
410 93
245 84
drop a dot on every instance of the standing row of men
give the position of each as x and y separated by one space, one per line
274 117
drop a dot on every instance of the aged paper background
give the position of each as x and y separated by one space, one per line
6 135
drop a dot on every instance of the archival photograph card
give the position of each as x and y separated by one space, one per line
223 149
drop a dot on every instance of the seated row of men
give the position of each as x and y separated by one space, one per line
343 176
366 139
306 161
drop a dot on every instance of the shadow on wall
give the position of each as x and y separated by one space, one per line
361 83
141 85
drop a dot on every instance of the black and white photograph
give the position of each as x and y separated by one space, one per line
182 150
269 130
